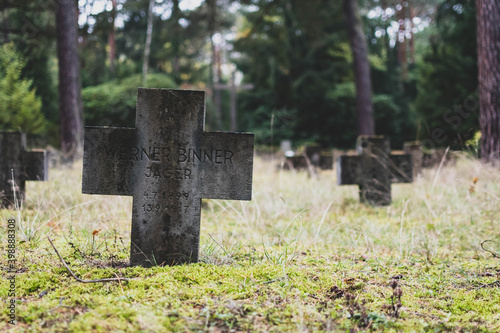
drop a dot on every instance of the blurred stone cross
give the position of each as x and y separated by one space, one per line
233 89
374 169
414 148
18 166
167 163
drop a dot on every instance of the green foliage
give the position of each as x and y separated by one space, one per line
392 94
390 119
113 102
20 108
474 144
30 26
129 44
175 49
297 55
343 97
447 104
293 54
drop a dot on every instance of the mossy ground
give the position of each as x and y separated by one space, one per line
303 255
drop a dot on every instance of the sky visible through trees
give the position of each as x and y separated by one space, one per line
99 6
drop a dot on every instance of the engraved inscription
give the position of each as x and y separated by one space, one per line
165 154
153 195
157 171
176 202
152 208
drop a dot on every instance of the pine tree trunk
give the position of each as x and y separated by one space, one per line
176 62
147 47
214 75
412 34
232 110
488 52
112 37
70 108
366 125
401 40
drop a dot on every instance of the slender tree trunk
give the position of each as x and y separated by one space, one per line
111 38
147 47
412 38
216 80
176 63
232 110
488 52
214 74
70 108
401 40
366 125
387 38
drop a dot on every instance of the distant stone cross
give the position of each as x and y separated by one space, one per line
18 166
167 163
374 169
414 149
233 89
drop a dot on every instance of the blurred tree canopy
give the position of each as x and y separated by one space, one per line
30 26
17 96
447 102
113 103
296 54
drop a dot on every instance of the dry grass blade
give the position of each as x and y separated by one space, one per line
118 279
495 255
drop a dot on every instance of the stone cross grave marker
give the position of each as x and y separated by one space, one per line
429 159
167 163
233 89
319 157
23 165
414 148
374 169
286 146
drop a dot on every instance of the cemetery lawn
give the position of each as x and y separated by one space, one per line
303 255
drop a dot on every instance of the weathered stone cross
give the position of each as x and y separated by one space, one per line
233 89
23 165
167 163
374 169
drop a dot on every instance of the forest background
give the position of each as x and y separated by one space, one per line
295 54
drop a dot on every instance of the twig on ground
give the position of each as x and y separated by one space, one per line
488 285
495 255
60 305
425 315
313 296
81 280
275 280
